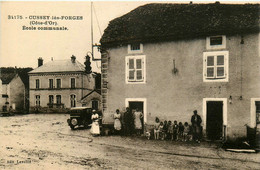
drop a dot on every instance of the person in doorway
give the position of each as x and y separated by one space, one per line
196 126
95 124
117 122
138 124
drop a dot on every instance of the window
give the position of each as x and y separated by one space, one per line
58 83
215 66
216 42
72 83
50 99
135 48
95 104
37 82
51 83
37 100
73 100
135 69
58 99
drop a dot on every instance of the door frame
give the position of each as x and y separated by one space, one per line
127 100
204 112
253 112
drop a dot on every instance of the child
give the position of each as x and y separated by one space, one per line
161 135
170 130
180 131
175 130
165 128
186 132
156 128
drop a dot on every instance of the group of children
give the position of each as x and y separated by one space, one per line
172 131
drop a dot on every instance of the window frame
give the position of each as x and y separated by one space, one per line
52 84
57 83
74 101
97 102
135 57
57 98
37 100
214 47
226 66
39 84
130 51
71 82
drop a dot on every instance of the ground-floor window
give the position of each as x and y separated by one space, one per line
73 100
37 100
95 104
58 99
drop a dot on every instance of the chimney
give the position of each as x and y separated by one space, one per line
73 59
40 62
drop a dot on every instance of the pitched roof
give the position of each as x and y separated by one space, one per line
95 90
7 77
153 22
59 66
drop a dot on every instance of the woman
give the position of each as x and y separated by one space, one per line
95 125
117 122
138 124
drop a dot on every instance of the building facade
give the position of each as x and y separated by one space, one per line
182 58
59 85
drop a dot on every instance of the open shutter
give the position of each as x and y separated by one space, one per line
210 70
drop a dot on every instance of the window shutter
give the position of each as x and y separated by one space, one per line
220 66
210 67
131 69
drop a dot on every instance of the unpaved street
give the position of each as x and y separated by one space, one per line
44 141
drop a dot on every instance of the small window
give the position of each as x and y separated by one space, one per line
37 100
135 48
58 99
135 69
37 82
72 100
95 104
216 42
51 83
215 66
72 83
58 83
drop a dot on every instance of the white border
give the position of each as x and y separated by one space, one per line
129 51
226 60
126 69
204 119
253 112
127 100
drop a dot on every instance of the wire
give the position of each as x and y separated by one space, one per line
97 20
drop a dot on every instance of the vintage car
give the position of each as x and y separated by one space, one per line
80 116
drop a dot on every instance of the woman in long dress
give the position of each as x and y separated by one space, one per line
95 125
117 122
138 124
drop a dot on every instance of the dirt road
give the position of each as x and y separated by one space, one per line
44 141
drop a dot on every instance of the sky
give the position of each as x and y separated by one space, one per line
22 48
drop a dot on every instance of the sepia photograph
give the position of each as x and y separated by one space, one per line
129 84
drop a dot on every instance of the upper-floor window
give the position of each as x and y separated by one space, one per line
37 100
216 42
135 69
58 83
215 66
51 83
37 82
135 48
58 99
72 83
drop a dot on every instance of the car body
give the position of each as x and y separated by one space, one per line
80 116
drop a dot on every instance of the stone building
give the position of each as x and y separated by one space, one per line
59 85
171 59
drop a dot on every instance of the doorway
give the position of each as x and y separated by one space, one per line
214 122
133 106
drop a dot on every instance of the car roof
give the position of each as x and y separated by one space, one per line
80 108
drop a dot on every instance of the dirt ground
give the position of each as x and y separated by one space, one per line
45 141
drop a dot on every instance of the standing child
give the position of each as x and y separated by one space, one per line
180 131
165 128
161 135
170 130
175 130
186 132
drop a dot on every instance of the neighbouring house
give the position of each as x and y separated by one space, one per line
12 92
92 99
171 59
59 85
